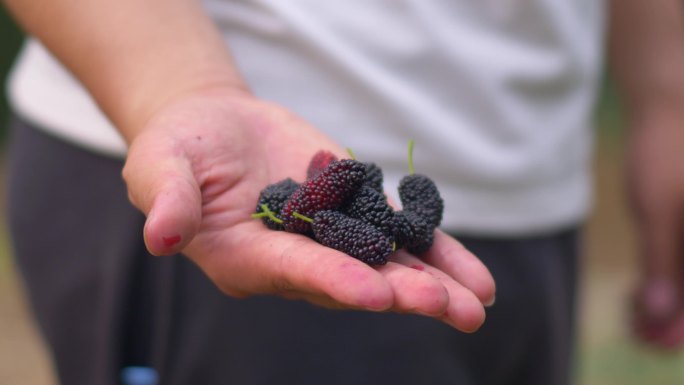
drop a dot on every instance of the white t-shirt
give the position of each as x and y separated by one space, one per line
497 94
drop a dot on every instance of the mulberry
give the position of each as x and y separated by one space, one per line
352 236
420 195
319 162
374 177
327 191
371 206
411 231
274 197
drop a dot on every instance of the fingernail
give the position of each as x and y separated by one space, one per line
171 241
490 303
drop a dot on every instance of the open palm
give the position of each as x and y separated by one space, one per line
196 172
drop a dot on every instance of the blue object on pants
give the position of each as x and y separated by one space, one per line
139 375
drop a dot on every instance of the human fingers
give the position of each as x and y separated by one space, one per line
665 335
656 300
658 316
415 291
671 336
164 188
464 310
249 259
451 257
405 301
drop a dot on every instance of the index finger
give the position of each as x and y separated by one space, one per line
450 256
249 259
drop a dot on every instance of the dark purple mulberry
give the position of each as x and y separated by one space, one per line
371 206
274 196
411 231
327 191
352 236
374 177
420 195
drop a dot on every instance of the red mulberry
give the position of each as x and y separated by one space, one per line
327 191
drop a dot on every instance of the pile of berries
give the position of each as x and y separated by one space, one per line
341 205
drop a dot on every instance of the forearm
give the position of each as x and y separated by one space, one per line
133 56
647 57
646 48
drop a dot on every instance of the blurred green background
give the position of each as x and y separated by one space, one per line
10 41
606 353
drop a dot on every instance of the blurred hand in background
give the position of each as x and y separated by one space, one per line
647 54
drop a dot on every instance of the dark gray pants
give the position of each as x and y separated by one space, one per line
103 303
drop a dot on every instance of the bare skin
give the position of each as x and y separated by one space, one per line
647 54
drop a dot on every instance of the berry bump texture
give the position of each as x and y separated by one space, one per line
342 205
371 206
326 191
274 196
420 195
411 231
351 236
374 178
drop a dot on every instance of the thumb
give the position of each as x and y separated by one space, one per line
166 191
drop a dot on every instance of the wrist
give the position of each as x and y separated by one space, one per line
134 113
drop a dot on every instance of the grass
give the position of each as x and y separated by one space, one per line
621 362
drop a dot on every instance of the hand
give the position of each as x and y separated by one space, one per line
656 184
196 171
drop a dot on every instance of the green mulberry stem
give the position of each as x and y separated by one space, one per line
410 157
268 213
351 153
302 217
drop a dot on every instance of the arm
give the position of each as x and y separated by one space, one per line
127 52
647 55
202 147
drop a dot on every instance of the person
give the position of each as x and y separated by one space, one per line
210 102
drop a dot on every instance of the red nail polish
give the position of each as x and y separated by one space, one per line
170 241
